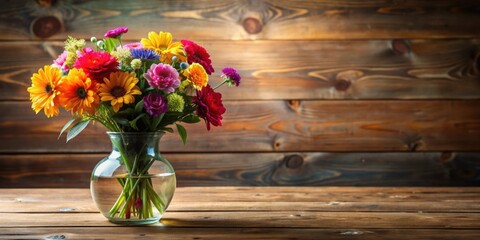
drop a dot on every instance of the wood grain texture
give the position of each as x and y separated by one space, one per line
346 19
297 195
72 206
253 126
253 218
295 219
260 169
285 125
94 233
370 69
323 199
327 206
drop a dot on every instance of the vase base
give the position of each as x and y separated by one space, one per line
134 221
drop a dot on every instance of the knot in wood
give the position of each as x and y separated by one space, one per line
447 156
46 26
252 25
400 46
293 161
342 85
45 3
294 105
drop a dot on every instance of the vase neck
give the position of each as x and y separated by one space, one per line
136 143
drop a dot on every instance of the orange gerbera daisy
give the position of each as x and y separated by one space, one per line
119 88
78 93
197 75
43 93
162 44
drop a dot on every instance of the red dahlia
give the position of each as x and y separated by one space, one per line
97 65
210 106
198 54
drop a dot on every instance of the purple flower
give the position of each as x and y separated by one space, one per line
163 77
155 104
113 33
135 45
231 76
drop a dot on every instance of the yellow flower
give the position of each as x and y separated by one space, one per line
162 44
197 75
119 88
78 93
43 93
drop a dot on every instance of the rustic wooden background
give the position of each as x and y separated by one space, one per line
351 92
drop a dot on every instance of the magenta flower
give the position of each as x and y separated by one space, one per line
60 62
163 77
155 104
113 33
135 45
231 76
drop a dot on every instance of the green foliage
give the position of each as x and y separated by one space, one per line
182 132
121 120
111 44
156 121
133 123
191 119
77 129
65 127
167 129
139 106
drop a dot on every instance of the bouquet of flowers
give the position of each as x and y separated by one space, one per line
148 86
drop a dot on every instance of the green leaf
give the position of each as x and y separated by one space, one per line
120 120
183 133
156 121
167 129
133 123
77 129
127 112
66 126
146 121
191 119
111 44
139 106
149 89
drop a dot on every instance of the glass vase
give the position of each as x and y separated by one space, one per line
134 184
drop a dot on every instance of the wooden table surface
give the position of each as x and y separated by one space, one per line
254 213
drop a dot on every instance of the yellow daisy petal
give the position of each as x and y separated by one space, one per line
120 90
43 92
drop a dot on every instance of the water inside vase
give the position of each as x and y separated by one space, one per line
107 190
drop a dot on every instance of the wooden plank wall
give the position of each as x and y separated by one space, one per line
350 92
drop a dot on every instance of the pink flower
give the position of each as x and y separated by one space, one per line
198 54
163 77
113 33
135 45
83 51
60 62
